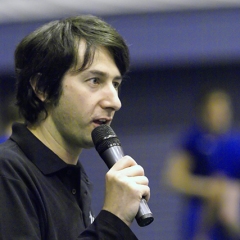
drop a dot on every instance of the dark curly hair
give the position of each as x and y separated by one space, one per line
49 52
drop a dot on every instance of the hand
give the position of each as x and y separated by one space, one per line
229 207
216 188
125 187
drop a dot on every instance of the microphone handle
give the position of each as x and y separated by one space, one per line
110 156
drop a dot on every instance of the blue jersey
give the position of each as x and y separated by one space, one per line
3 138
212 155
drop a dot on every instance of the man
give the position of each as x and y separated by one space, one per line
68 76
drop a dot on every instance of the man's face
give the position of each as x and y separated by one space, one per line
218 113
89 98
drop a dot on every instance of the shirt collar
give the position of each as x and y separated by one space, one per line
46 160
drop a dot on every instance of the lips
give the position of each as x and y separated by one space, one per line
102 121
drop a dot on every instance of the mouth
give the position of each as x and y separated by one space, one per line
102 121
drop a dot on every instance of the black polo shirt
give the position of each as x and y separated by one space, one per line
42 197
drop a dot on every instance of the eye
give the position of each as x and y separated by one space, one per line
117 85
94 81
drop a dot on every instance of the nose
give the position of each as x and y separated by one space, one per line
110 98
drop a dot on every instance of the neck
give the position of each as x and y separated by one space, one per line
52 139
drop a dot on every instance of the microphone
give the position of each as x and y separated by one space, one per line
109 148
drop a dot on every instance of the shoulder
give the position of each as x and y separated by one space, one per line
13 161
10 150
190 135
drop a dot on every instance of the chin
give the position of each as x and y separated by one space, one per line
88 145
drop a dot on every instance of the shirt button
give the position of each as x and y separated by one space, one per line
74 191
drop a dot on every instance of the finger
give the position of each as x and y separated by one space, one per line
141 180
140 186
145 192
123 163
132 171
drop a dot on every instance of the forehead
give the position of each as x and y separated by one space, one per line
99 57
219 97
81 50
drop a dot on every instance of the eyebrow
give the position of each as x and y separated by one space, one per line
103 74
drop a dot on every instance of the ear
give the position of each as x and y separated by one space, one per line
33 81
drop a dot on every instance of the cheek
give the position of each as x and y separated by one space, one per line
72 97
77 101
67 106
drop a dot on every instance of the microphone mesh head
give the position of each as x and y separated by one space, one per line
104 137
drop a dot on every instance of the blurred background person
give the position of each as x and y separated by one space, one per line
205 169
8 110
